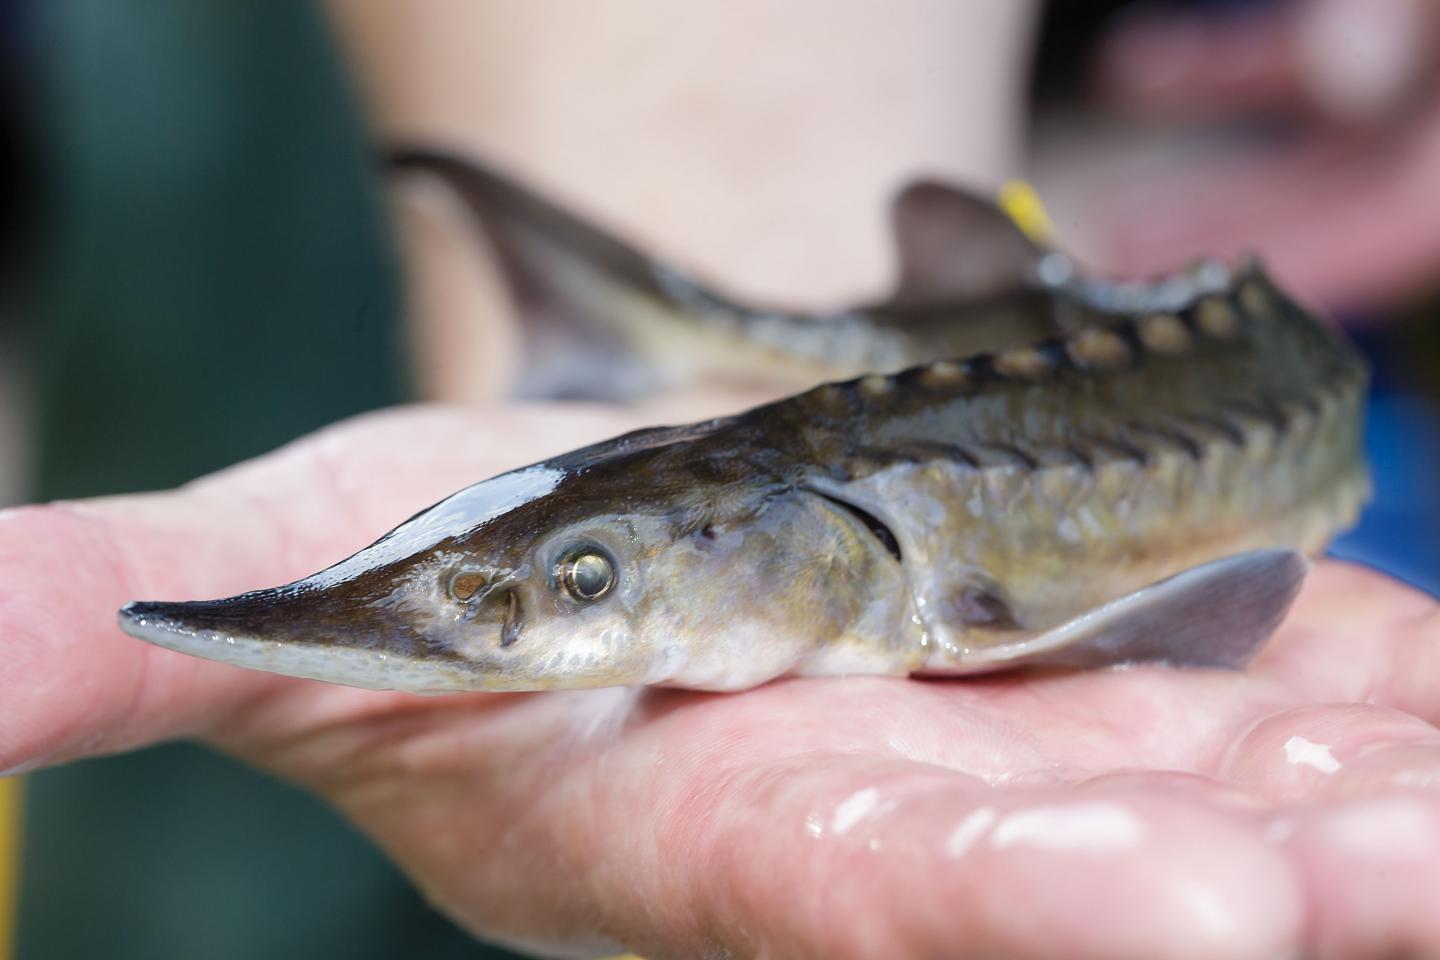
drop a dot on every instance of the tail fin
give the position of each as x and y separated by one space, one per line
582 294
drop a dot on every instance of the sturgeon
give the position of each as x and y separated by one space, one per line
1143 481
601 320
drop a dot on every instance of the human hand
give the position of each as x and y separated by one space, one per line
1147 812
1341 203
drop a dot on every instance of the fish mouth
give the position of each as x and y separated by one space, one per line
227 631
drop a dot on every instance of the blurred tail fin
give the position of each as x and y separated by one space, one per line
586 299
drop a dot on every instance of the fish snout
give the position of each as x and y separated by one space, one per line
302 634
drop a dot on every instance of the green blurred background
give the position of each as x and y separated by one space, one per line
214 280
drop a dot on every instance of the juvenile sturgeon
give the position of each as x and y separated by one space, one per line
601 320
1145 488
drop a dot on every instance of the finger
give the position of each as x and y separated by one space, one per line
854 856
1349 749
72 684
1410 677
1372 868
655 773
1358 635
1389 768
1049 867
1012 875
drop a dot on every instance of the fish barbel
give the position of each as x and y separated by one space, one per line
1142 485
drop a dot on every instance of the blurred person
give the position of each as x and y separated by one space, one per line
756 145
1334 176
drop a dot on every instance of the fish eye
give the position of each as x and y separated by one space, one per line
585 574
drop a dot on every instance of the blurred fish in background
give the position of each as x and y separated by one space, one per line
198 268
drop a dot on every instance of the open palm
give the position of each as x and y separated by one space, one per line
1141 812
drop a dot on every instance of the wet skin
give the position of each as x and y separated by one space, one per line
1292 809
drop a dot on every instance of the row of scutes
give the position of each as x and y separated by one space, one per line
1259 425
1259 429
1095 348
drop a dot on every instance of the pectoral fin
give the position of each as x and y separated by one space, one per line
1215 615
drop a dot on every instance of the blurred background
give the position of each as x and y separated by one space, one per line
199 261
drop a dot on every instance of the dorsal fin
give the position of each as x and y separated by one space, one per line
955 247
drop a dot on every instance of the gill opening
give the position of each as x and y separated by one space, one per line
868 520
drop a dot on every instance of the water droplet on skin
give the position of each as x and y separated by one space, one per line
1306 753
969 830
853 809
1207 906
1082 827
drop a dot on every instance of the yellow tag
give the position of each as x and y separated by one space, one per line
10 789
1022 204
